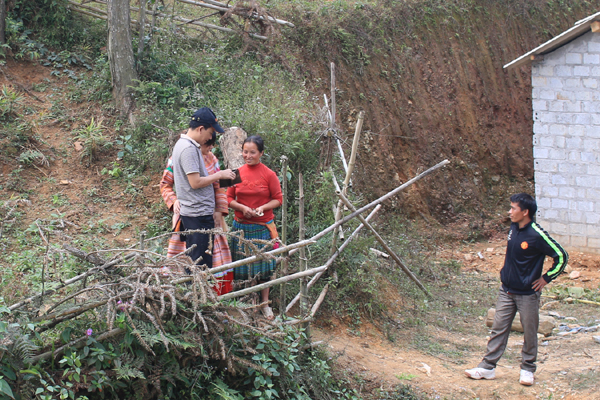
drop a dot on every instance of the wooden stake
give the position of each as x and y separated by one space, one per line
385 245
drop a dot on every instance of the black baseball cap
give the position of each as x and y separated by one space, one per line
205 116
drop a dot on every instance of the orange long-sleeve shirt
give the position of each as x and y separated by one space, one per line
259 186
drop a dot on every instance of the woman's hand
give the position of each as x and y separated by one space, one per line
249 213
260 211
176 207
218 217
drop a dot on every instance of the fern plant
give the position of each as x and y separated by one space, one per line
16 352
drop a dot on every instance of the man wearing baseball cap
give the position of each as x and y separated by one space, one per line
193 184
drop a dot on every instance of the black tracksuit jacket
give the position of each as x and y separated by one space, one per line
525 253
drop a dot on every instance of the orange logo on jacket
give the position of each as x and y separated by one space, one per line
524 245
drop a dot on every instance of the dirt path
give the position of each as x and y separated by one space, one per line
568 366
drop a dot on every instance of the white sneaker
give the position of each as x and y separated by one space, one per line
481 373
526 378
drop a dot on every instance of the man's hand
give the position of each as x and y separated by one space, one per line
538 284
226 174
176 207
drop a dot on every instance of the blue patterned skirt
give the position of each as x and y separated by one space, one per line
238 252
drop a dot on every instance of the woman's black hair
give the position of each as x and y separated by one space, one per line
257 140
212 140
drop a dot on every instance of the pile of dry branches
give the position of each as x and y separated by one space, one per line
147 289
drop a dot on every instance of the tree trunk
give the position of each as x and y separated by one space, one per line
2 21
120 55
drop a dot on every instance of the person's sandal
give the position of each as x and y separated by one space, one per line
267 312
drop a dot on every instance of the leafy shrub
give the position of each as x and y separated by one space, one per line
57 26
93 140
9 98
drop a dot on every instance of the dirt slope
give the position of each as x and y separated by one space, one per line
429 76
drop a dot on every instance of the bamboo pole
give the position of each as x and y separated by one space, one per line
271 283
312 240
332 122
284 263
225 8
351 163
385 245
342 156
588 302
337 139
333 257
319 301
303 260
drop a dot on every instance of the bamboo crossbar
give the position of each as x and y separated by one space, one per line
324 232
271 283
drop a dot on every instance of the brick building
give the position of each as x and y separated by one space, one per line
565 79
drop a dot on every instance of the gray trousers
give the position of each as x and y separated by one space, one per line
506 308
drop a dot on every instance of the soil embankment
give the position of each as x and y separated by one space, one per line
430 79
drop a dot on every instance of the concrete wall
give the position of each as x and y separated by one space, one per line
566 142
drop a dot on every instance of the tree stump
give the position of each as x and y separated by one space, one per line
231 146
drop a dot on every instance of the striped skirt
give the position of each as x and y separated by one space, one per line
263 267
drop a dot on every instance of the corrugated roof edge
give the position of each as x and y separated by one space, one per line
580 27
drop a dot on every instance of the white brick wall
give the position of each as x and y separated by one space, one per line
566 142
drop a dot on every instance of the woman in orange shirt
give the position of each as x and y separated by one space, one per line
253 201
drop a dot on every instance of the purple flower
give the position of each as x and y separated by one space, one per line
89 332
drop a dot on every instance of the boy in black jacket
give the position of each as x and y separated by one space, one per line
522 284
